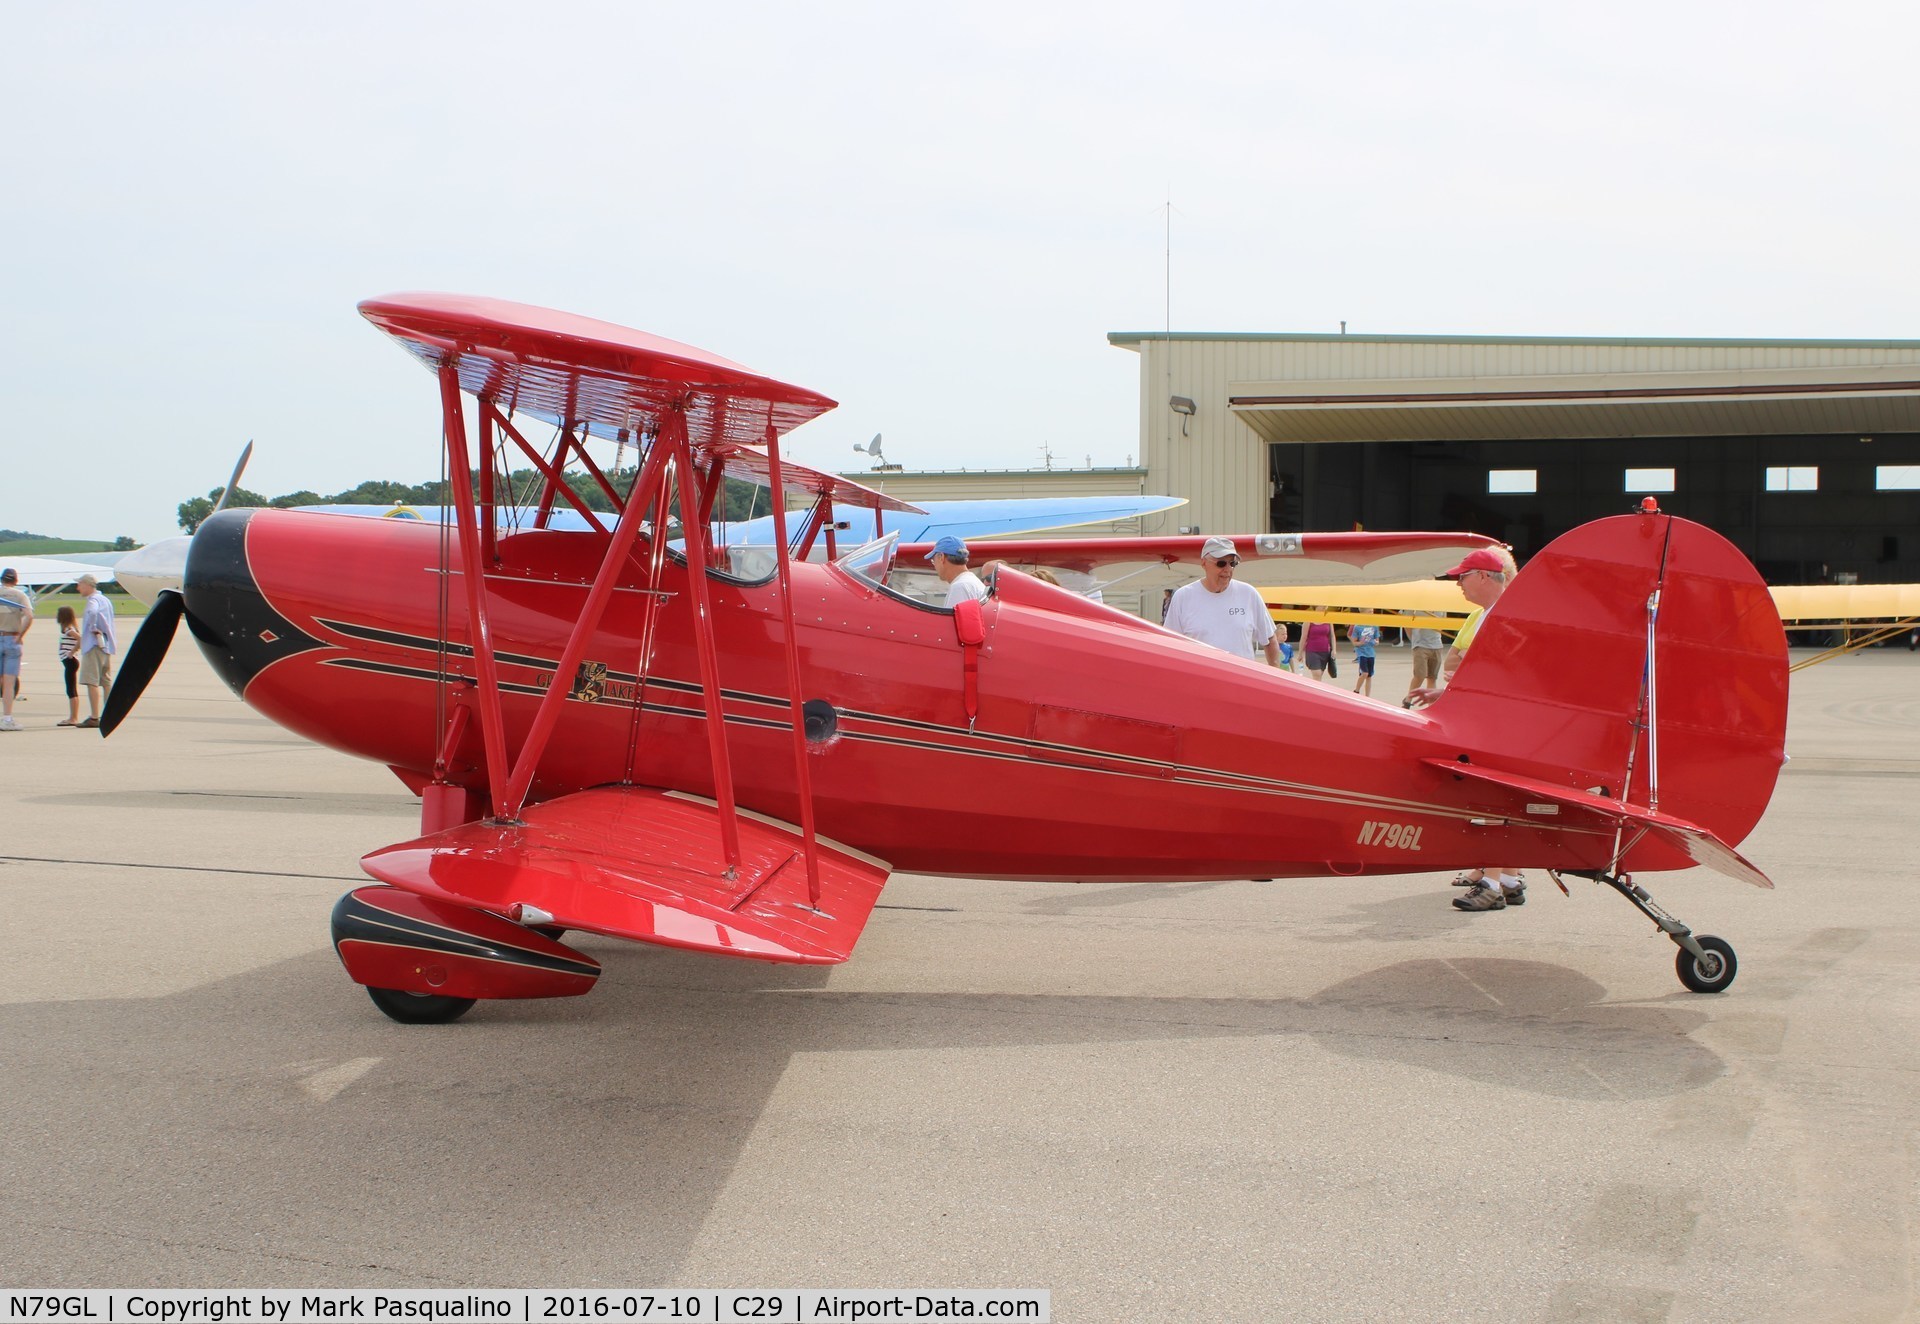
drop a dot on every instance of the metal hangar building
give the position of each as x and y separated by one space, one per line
1806 453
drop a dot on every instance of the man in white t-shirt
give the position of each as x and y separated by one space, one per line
1221 611
949 557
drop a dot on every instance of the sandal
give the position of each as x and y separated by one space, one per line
1468 878
66 721
91 721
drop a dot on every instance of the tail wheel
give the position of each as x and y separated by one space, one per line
1712 972
426 1008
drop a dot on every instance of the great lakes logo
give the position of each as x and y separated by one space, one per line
593 683
589 682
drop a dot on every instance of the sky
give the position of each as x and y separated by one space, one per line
933 215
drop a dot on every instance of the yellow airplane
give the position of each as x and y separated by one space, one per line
1862 614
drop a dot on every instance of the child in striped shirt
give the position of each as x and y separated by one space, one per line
69 646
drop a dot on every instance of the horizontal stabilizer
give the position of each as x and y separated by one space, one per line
645 864
1696 842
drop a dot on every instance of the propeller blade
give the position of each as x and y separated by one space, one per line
148 650
221 504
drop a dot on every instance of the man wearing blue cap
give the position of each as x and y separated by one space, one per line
949 557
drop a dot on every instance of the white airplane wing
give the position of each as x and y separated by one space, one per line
45 572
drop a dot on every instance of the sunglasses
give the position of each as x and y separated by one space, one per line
1231 560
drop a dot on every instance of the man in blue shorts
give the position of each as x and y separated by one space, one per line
16 618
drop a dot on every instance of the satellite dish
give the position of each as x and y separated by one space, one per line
871 448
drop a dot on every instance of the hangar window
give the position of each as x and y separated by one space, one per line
1896 477
1649 480
1513 480
1793 478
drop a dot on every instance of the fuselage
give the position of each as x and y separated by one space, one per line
1103 748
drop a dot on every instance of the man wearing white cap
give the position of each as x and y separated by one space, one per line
949 557
97 645
1218 609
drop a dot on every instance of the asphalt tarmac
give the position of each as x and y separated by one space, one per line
1324 1100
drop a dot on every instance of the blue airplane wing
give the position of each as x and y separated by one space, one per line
854 525
966 519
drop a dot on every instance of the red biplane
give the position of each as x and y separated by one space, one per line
621 730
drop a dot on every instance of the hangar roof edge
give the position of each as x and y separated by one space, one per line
1127 339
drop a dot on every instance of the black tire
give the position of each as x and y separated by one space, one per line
1712 975
419 1008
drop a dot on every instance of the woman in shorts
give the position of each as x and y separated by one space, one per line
1318 646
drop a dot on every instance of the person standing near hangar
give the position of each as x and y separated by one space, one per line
1482 576
1219 610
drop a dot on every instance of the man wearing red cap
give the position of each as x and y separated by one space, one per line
1482 575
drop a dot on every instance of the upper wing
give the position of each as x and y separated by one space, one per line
1802 606
576 370
1265 558
1807 605
613 381
1433 604
635 862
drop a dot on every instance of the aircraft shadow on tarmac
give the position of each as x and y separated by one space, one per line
275 1122
398 806
1084 898
1399 918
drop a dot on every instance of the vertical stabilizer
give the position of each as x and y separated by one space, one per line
1561 684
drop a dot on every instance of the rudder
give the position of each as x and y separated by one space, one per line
1557 685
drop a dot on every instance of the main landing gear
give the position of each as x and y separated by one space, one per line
426 960
1705 964
419 1008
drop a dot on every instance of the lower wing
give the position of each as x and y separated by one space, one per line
639 863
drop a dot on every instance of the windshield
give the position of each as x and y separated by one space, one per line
871 562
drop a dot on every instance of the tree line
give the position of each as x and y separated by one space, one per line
742 500
121 544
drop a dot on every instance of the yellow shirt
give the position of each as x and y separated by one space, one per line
1467 631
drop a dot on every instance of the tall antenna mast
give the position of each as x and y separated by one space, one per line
1166 349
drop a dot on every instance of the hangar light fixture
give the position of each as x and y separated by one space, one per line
1183 406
